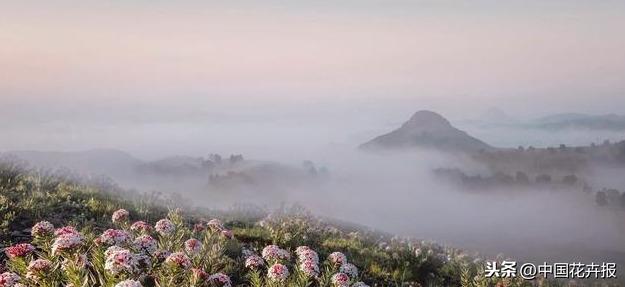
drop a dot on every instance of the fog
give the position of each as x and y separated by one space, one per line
282 83
392 192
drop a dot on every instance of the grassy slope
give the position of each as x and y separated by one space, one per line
28 196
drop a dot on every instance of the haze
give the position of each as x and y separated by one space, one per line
288 81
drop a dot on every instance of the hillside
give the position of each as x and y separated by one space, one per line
162 250
426 129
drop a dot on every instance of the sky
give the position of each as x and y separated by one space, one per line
348 64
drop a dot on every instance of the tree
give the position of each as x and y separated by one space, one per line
543 178
570 179
522 178
601 199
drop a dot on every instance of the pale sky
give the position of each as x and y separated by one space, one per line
232 61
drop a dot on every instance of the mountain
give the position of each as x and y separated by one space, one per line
426 129
580 121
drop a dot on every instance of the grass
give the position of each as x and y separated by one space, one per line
30 196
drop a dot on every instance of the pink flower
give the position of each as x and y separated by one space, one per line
39 265
306 254
9 279
337 258
65 230
41 229
274 253
309 268
38 268
145 244
114 237
19 250
120 216
254 262
66 242
215 225
340 280
220 279
179 259
193 246
278 272
141 227
119 260
165 227
199 227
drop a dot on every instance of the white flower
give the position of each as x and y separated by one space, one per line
278 272
360 284
193 246
165 227
129 283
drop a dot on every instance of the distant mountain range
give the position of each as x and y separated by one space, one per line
497 118
580 121
427 129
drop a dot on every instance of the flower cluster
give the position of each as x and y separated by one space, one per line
192 246
179 259
350 269
340 280
165 227
131 257
346 272
120 260
308 261
113 237
38 268
278 272
254 262
337 258
19 250
141 227
9 279
67 239
274 253
145 244
220 279
42 229
120 216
